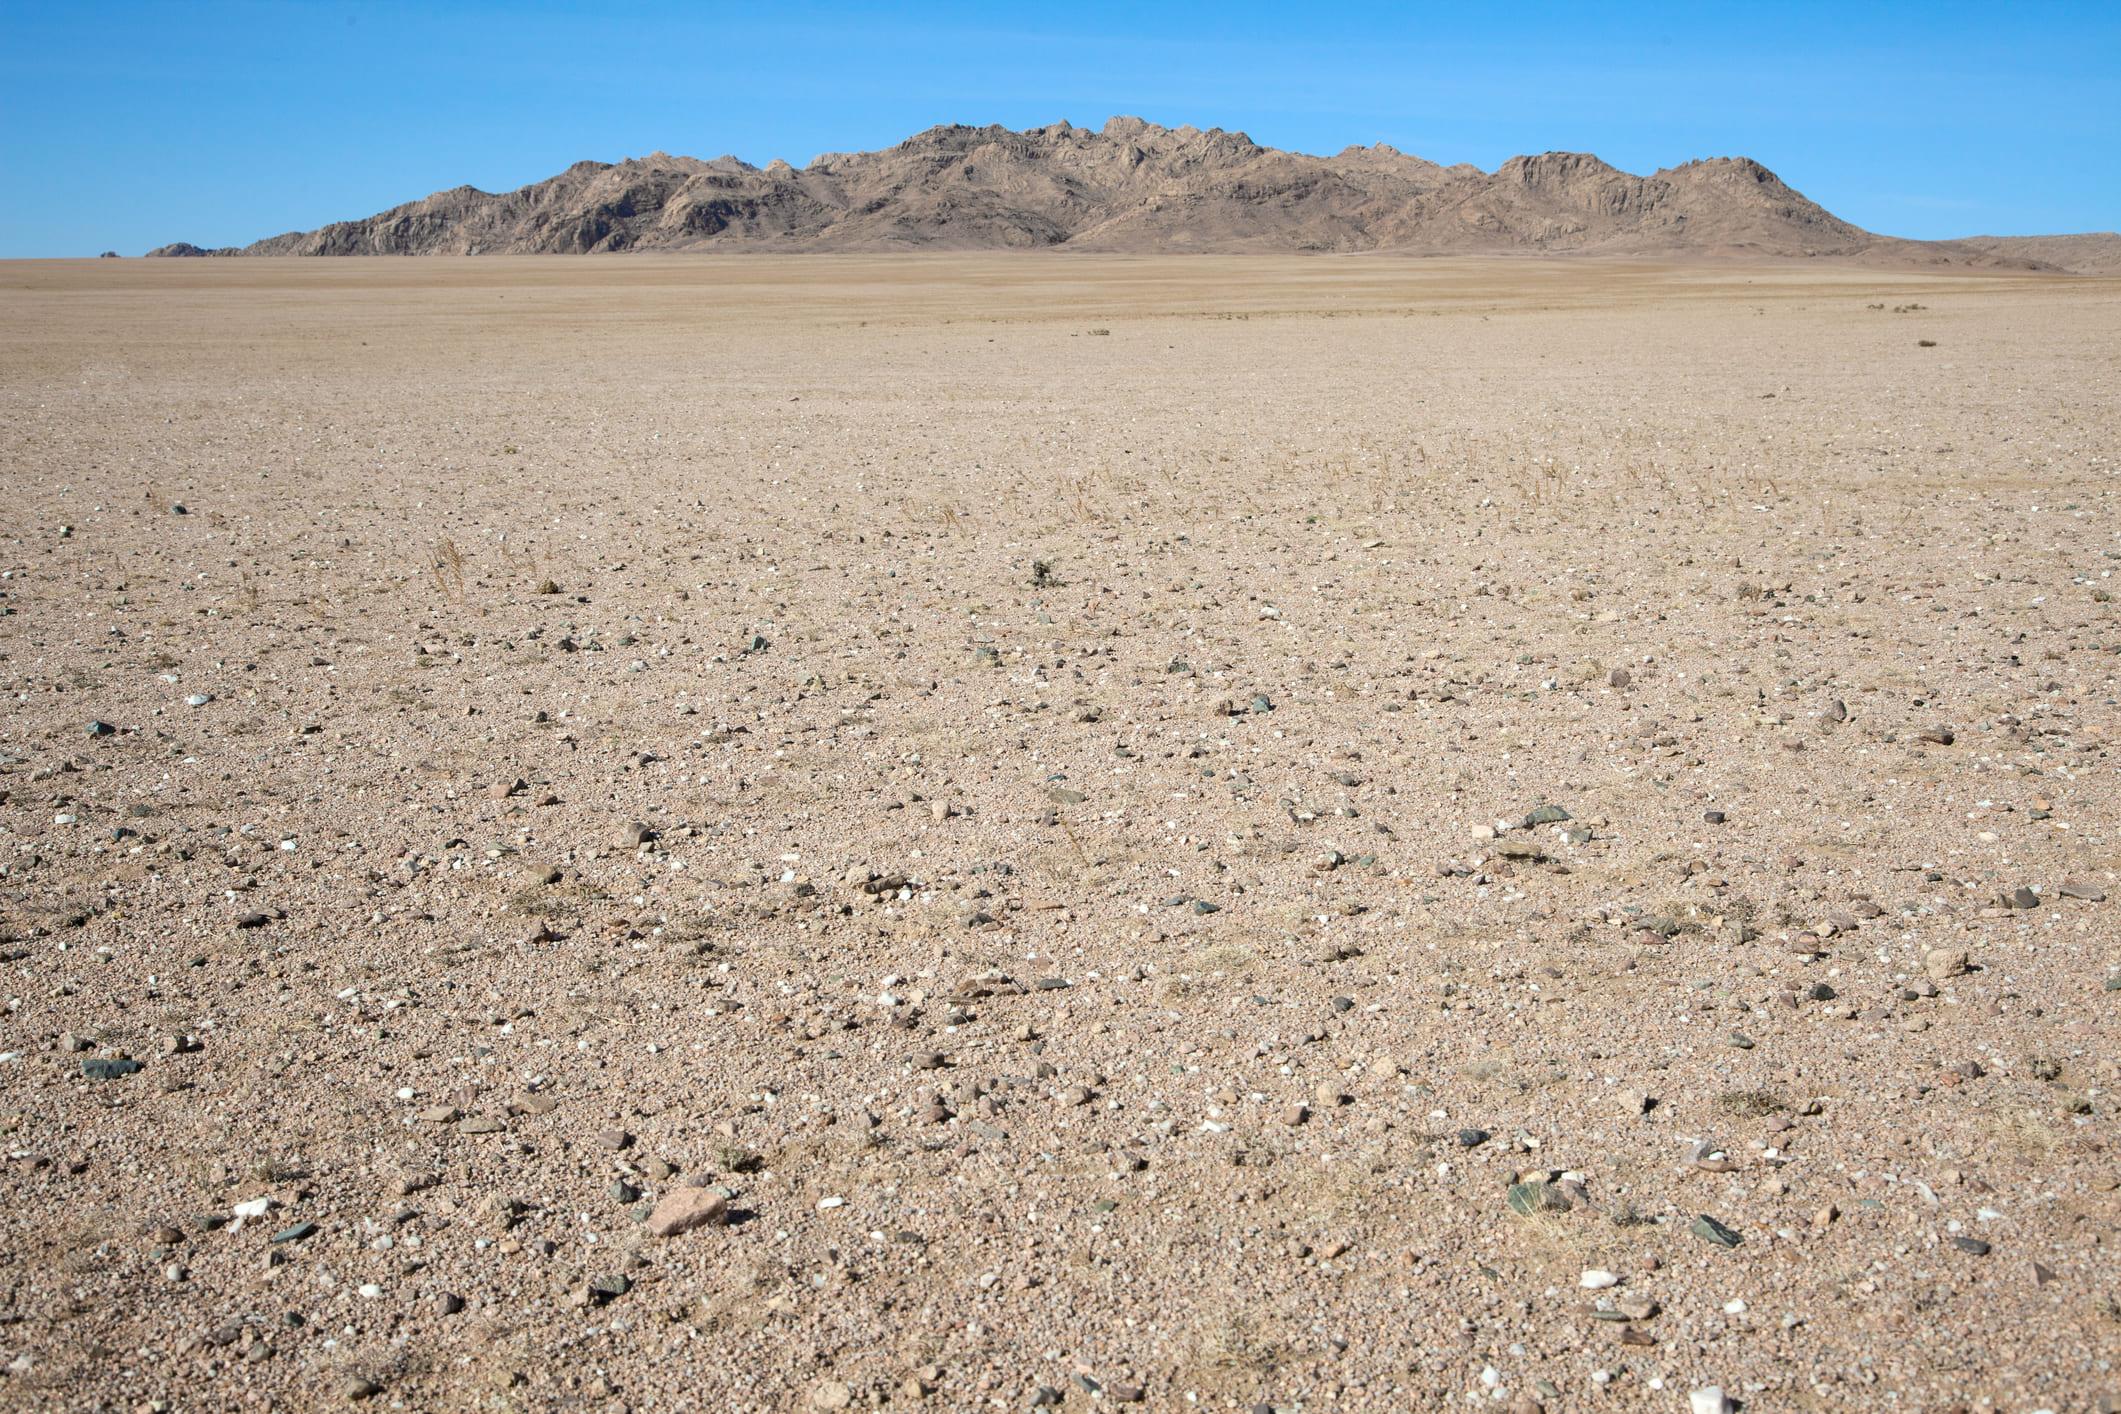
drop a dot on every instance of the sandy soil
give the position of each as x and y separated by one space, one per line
1018 778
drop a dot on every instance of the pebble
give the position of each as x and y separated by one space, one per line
102 1069
1943 963
683 1209
1709 1400
1708 1229
1597 1279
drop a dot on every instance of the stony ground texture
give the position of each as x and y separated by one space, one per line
955 833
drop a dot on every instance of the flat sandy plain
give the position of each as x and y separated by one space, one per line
1070 704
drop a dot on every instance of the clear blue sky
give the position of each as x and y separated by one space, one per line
220 121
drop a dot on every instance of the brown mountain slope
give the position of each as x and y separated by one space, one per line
2093 253
1129 186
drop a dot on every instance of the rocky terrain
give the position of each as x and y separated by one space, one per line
1129 186
1228 834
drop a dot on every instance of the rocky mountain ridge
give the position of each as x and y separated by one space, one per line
1130 186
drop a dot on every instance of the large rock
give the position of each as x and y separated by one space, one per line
683 1209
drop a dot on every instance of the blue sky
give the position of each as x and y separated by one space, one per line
126 125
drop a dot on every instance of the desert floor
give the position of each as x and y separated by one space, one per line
1009 784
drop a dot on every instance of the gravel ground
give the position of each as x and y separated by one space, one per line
973 832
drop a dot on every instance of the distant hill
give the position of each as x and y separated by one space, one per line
1129 186
2093 253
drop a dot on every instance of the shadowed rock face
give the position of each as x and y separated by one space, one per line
1130 186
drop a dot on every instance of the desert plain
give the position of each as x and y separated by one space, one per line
955 832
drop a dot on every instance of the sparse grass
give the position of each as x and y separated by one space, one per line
1209 969
448 569
1082 856
2021 1131
1235 1346
735 1158
1222 957
1550 1239
565 900
1750 1104
1079 499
